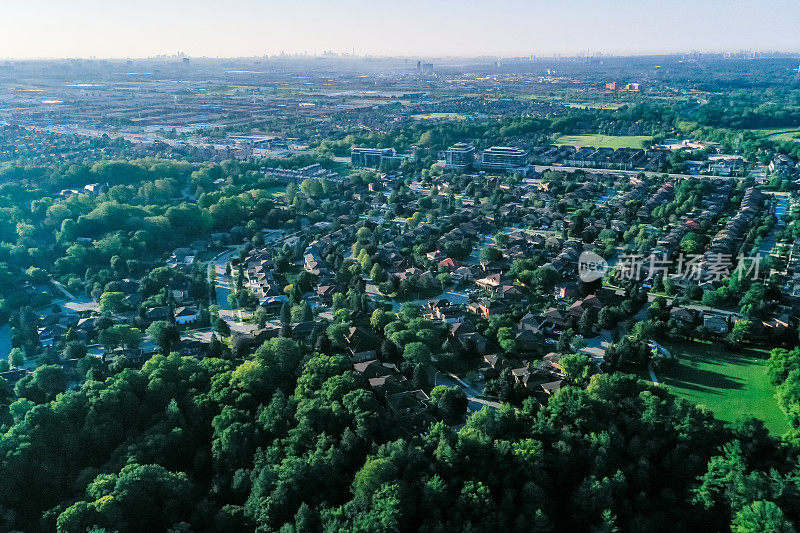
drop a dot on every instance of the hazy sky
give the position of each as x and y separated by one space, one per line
224 28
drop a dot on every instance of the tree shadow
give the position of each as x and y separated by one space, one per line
700 380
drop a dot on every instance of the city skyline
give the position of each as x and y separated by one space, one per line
247 28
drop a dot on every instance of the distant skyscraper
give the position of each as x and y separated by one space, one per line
424 68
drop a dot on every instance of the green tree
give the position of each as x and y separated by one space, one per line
164 334
491 254
43 384
417 353
451 402
761 517
16 358
506 339
112 302
578 368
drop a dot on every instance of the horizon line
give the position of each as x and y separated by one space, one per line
349 55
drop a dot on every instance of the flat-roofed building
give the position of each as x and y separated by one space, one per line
374 157
460 156
503 158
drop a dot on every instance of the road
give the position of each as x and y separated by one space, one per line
77 304
223 285
596 346
779 209
5 341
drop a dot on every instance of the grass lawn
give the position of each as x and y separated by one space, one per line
595 105
786 136
604 141
779 134
734 385
276 190
431 116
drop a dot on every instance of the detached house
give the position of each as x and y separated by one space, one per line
467 339
186 315
486 307
362 343
556 318
490 282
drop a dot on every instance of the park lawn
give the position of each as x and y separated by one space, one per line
276 190
596 105
431 116
779 134
786 136
734 385
603 141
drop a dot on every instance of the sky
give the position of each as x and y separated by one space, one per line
469 28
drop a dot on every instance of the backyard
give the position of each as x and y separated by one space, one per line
734 385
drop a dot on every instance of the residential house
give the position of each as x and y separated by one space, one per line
362 343
556 318
716 323
683 315
486 307
495 361
273 304
51 335
186 315
155 314
528 340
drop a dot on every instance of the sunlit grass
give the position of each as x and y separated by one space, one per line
604 141
734 385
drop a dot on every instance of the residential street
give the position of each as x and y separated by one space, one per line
223 283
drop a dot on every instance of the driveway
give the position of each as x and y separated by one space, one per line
474 401
596 346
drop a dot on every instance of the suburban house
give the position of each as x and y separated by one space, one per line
490 282
186 315
486 307
362 343
556 318
716 323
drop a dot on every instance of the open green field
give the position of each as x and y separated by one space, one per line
449 116
595 105
786 136
604 141
734 385
276 190
779 134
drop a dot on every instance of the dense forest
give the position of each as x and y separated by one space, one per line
291 440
